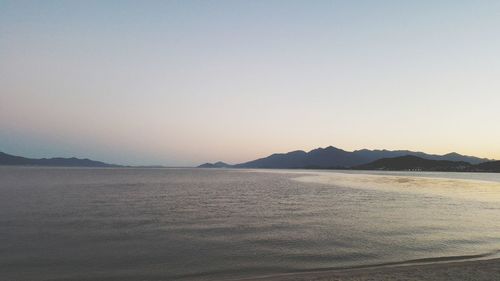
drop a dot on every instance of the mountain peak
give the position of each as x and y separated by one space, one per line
328 148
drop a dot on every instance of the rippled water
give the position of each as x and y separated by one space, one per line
192 224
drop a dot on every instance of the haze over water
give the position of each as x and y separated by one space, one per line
191 224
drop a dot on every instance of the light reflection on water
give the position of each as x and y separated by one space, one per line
164 224
456 185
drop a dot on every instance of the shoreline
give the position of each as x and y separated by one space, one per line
473 269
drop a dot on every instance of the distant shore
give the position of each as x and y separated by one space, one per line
476 270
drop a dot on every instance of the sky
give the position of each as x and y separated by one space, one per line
185 82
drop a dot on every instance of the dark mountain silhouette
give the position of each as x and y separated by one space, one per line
410 162
215 165
332 157
11 160
492 166
379 154
294 159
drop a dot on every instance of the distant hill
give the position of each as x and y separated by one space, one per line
453 156
332 157
410 162
492 166
215 165
11 160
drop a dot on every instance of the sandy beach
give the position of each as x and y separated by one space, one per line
479 270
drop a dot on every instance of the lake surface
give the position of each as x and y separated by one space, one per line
202 224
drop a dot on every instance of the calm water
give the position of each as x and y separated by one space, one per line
188 224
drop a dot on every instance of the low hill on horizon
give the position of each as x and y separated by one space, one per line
414 163
332 157
12 160
410 162
219 164
491 166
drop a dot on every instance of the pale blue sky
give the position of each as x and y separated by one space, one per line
184 82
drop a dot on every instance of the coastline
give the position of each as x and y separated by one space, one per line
465 189
473 270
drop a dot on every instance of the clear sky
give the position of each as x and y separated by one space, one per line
185 82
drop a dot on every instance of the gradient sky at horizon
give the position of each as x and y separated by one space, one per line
185 82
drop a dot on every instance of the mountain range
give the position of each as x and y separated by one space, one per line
11 160
332 157
320 158
398 160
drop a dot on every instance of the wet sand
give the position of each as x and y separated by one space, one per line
478 270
